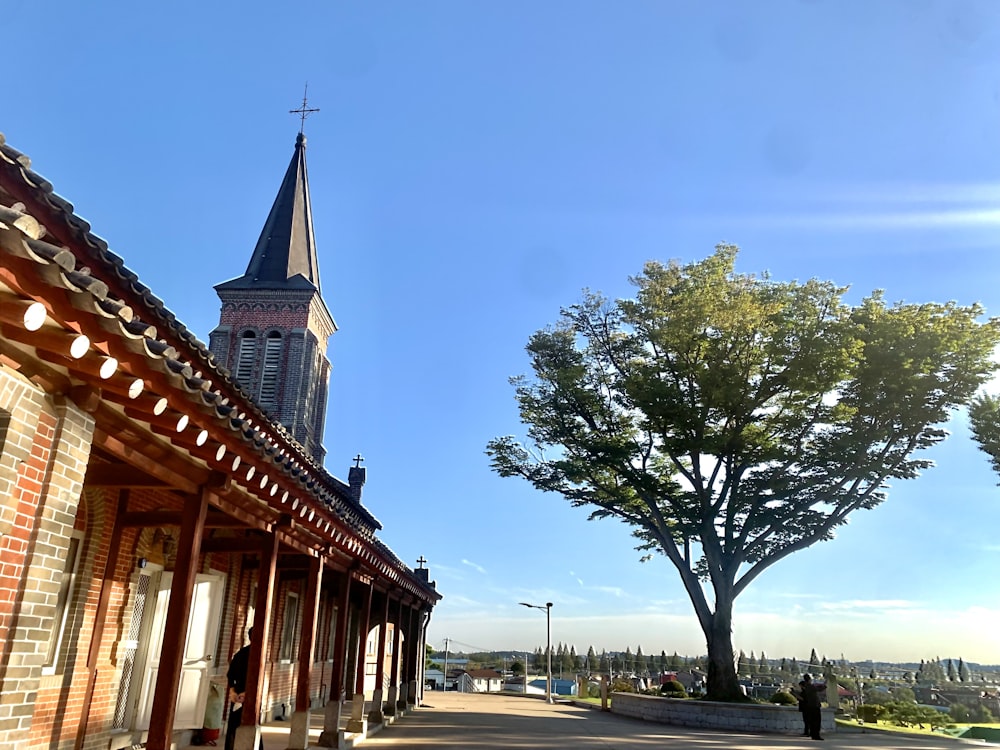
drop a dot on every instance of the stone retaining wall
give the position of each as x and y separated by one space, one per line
739 717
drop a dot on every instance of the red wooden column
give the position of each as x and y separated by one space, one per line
161 723
358 723
397 643
375 716
100 617
331 719
248 734
298 738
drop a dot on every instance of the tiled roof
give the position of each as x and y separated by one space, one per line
285 255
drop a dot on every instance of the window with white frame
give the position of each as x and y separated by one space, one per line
64 600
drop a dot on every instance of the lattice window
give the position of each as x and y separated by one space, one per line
129 648
246 358
272 368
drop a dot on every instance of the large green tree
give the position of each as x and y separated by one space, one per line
733 420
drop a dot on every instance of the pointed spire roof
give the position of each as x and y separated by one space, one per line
285 255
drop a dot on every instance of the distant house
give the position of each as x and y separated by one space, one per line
693 680
485 680
434 679
559 687
514 684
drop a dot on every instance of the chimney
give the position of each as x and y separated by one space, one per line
356 479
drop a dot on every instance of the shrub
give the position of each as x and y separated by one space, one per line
910 714
619 685
871 712
959 712
784 698
981 714
673 689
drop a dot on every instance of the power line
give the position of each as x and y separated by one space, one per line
471 647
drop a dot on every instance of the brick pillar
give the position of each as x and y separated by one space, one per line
42 467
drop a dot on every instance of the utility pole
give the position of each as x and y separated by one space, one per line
445 665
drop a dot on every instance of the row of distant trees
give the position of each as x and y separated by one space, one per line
565 659
933 670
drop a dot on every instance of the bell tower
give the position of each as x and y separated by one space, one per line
274 325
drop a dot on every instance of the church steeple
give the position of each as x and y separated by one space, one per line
285 255
274 325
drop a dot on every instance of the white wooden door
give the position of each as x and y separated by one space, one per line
199 651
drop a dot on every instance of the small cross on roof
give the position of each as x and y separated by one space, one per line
304 111
421 561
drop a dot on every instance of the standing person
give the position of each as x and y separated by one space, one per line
811 706
802 710
239 665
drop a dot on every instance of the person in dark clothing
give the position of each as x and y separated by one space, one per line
811 714
237 677
802 710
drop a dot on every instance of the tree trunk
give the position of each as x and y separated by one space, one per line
722 681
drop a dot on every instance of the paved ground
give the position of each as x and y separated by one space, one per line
458 721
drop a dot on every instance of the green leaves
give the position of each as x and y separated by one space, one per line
985 415
744 417
757 412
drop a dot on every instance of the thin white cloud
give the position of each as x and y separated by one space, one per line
474 566
865 220
914 193
447 571
866 605
613 590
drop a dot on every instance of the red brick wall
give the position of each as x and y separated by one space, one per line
42 465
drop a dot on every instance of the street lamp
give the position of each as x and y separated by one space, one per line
548 648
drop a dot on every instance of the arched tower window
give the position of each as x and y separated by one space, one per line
272 368
246 357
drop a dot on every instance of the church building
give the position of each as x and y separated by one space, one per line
158 497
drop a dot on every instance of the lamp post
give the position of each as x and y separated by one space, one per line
548 648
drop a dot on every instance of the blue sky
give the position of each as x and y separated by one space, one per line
474 166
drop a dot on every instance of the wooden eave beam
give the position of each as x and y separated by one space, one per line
121 476
153 518
231 545
33 368
132 455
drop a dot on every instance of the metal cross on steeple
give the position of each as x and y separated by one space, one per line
421 561
358 459
304 111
